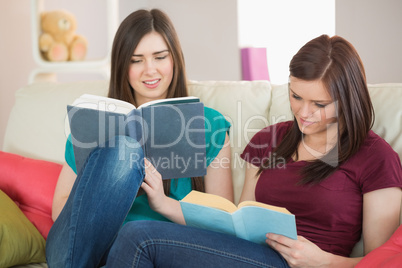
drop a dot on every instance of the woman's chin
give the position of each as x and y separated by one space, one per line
306 128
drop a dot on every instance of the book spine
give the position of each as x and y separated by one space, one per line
239 226
134 126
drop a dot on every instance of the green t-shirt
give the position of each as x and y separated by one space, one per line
216 127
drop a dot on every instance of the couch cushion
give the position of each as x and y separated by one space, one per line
387 255
387 100
20 241
38 126
280 108
40 110
30 184
245 105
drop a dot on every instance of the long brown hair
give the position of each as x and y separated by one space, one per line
129 34
336 63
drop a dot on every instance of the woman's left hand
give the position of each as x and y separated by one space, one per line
153 186
300 252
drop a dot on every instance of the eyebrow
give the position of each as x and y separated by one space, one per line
155 53
324 101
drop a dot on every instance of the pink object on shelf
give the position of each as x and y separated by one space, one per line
254 64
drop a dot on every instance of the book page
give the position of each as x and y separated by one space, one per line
259 204
102 103
170 101
209 200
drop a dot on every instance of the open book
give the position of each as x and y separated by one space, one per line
249 220
171 132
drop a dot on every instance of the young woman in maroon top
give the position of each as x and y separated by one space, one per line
326 166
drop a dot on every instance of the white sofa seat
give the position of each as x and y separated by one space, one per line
38 125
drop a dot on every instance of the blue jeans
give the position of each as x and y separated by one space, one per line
99 201
162 244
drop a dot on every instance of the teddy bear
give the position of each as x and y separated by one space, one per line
58 40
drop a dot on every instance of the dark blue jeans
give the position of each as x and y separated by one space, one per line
162 244
100 199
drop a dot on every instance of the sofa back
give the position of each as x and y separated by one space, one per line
38 124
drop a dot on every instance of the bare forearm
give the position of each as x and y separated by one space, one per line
57 207
171 210
62 191
342 262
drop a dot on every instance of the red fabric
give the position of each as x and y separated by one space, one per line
30 183
388 255
329 213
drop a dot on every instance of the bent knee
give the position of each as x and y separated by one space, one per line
120 153
123 147
123 142
138 231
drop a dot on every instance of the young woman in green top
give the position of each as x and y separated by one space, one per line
89 208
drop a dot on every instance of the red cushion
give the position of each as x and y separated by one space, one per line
388 255
30 183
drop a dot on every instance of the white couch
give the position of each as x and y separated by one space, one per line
38 126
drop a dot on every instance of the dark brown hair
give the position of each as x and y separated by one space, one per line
129 34
336 63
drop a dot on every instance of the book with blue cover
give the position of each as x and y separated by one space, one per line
171 131
249 220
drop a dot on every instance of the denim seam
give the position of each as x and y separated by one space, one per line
150 242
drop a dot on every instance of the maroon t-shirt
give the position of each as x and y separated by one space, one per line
329 213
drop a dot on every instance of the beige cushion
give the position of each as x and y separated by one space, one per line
387 102
245 105
280 108
36 126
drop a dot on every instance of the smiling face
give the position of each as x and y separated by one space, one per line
312 106
151 69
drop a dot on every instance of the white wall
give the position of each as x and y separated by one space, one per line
282 27
208 34
374 28
15 54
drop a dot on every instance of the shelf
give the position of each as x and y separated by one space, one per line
95 65
50 74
